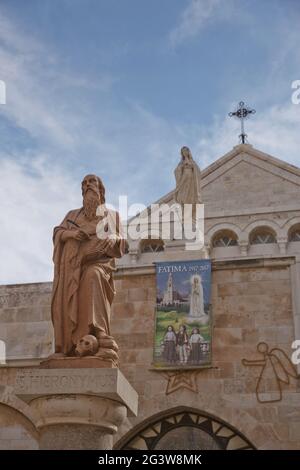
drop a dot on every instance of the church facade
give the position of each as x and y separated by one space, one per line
249 397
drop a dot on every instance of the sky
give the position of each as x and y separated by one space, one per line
116 88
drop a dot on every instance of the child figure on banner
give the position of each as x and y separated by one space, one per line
169 350
195 343
183 344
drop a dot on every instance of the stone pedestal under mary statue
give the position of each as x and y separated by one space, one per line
86 244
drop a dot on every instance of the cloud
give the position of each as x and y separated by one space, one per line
193 19
64 139
274 130
34 198
73 127
37 190
41 91
25 88
14 39
36 193
71 119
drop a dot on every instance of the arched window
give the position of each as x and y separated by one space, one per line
294 233
224 238
152 246
184 428
262 235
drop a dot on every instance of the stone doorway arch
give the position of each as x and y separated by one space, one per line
184 428
17 422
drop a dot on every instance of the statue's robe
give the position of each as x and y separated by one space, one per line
188 181
83 286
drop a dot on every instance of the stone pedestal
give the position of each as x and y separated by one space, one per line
77 409
89 362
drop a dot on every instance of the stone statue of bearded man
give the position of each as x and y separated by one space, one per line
86 244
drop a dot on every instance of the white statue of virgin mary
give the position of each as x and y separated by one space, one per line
197 299
188 179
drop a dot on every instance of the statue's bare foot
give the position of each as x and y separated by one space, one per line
107 342
107 355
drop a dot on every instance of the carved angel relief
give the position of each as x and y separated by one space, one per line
276 369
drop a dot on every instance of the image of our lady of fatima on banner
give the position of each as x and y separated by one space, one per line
183 315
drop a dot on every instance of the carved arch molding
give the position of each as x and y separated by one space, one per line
184 429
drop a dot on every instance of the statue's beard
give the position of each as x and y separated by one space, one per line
91 201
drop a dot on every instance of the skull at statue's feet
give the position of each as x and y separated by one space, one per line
87 346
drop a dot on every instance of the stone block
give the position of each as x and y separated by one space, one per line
294 431
137 293
105 383
227 336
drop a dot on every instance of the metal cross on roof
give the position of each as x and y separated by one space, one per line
242 112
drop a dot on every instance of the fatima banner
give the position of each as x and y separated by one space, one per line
183 315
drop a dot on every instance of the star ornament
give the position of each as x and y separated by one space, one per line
178 380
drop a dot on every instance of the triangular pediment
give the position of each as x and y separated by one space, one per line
246 178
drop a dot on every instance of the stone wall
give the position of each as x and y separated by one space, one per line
251 301
25 320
